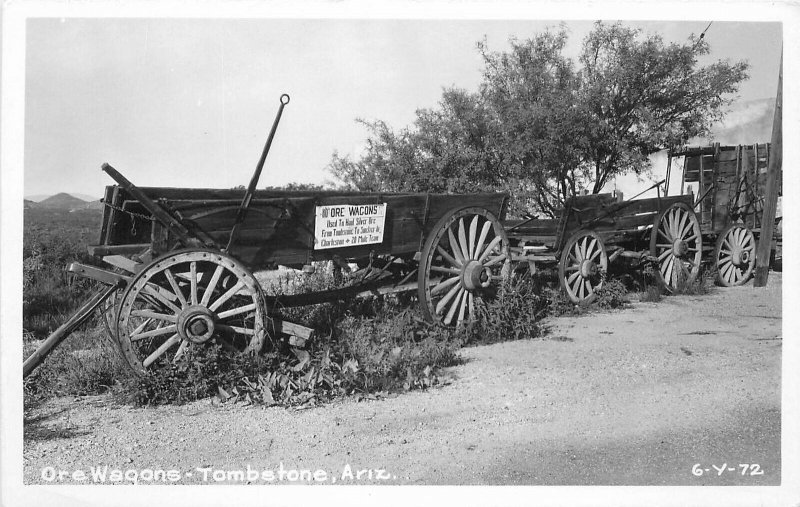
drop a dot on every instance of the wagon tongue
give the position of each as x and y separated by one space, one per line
248 196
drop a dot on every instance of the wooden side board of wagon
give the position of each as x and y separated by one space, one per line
183 289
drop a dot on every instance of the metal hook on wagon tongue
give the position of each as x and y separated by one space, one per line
248 196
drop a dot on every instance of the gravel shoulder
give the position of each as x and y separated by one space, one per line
631 397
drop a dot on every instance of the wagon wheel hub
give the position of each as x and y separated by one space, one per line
680 248
740 257
475 275
196 324
588 268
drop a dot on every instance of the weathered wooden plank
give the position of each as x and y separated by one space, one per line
130 249
122 262
101 275
291 328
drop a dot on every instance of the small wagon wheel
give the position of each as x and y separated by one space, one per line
466 255
677 243
583 262
186 299
735 255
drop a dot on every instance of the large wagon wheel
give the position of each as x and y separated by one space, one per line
735 255
677 243
186 299
583 262
466 255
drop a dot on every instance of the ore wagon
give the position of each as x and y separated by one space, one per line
181 263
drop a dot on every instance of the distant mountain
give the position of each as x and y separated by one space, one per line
85 197
41 197
62 201
27 204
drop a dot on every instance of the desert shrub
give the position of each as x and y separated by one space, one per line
393 352
514 314
612 294
703 283
558 304
51 240
651 294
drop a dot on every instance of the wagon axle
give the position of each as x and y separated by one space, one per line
476 276
196 324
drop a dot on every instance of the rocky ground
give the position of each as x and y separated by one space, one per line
640 396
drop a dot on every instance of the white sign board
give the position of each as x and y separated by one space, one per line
346 225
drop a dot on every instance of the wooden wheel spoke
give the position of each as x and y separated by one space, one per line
449 258
471 308
447 297
161 350
666 235
456 303
175 287
212 285
676 218
473 231
463 309
577 253
494 260
595 255
225 297
482 238
671 269
236 311
439 287
726 243
664 254
235 329
578 281
153 315
181 349
572 268
441 269
454 246
193 281
682 224
154 332
490 247
141 327
155 291
590 251
665 266
728 271
571 278
462 239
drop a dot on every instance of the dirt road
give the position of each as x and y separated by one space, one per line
638 396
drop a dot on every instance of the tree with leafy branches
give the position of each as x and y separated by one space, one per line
542 125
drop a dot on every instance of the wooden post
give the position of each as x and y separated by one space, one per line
669 170
771 190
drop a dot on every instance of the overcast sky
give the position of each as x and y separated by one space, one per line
189 103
